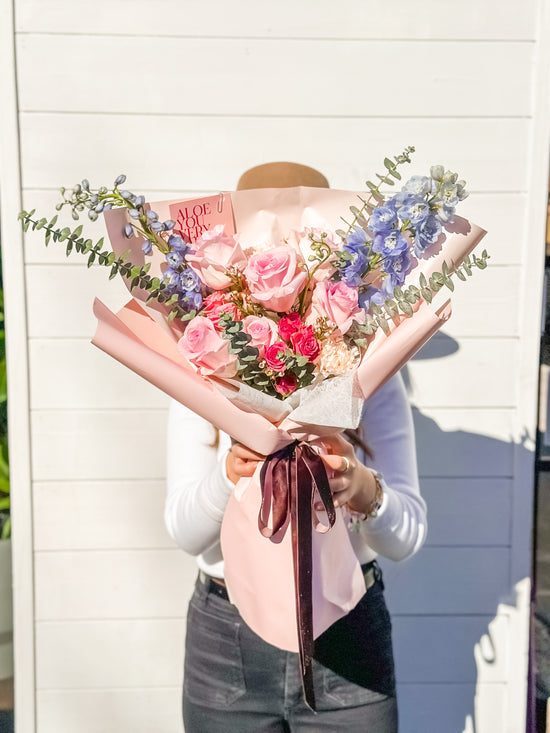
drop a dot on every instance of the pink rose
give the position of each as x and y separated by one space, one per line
218 303
305 343
215 253
274 278
263 331
337 302
203 346
271 356
289 324
286 384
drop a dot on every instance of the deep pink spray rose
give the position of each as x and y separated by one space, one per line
215 253
271 356
286 384
218 303
275 278
337 302
263 331
289 324
305 343
203 346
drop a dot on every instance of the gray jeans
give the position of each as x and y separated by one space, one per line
235 682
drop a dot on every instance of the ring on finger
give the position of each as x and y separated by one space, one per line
347 464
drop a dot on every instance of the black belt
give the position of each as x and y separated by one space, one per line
217 587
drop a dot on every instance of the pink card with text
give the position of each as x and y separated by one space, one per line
194 216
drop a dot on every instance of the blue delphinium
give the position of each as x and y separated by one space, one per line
427 234
357 248
382 219
176 242
396 269
190 281
414 210
390 243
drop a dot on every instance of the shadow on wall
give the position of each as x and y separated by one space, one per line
460 621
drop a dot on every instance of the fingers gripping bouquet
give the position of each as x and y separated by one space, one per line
258 312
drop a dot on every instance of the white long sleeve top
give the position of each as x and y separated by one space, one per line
198 487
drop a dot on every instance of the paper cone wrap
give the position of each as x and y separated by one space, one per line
259 572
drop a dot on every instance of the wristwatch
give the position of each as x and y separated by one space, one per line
378 497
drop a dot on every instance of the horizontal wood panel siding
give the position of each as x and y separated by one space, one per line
207 153
80 515
132 653
287 76
135 710
183 97
429 19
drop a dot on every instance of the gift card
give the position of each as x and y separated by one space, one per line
194 216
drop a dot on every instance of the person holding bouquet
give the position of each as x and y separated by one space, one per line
234 681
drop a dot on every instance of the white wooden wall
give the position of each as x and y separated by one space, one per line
183 97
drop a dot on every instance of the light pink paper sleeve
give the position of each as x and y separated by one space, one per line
258 572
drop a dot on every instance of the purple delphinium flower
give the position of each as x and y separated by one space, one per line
390 243
373 296
190 301
427 234
397 268
175 241
147 247
415 210
356 246
418 185
382 219
190 281
354 269
357 237
171 280
174 259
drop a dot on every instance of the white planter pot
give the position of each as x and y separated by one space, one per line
6 611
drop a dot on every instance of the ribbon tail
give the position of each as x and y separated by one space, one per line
300 502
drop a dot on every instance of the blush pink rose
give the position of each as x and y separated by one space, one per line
203 346
337 302
271 356
215 253
218 303
275 278
263 332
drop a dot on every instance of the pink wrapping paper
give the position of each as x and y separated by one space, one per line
259 572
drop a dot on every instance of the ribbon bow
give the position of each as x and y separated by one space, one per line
292 480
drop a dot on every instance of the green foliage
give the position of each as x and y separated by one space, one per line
375 195
96 254
403 301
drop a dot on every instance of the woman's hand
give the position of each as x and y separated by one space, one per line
351 483
241 462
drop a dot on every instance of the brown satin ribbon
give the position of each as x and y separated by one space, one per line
292 480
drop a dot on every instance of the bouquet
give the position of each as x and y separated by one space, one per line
257 312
